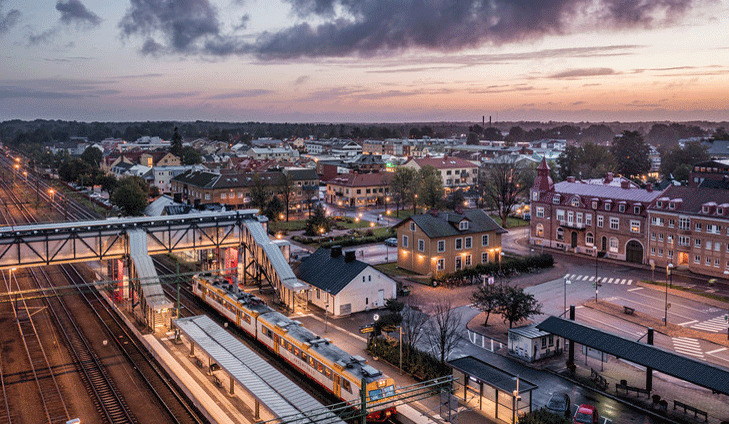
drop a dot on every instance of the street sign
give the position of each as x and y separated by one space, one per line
366 329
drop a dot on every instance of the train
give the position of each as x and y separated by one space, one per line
318 358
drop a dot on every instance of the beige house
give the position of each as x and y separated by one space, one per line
456 173
359 190
444 242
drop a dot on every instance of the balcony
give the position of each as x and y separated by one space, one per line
572 225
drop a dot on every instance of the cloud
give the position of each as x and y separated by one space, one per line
74 12
241 94
42 38
582 73
8 20
173 95
14 92
343 28
302 79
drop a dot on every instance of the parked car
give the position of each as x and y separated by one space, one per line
559 403
586 414
392 241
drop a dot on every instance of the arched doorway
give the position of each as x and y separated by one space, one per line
634 252
573 241
603 244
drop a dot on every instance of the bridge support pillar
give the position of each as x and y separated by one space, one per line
649 370
571 354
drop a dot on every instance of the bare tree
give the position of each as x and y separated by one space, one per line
443 332
413 324
286 187
506 181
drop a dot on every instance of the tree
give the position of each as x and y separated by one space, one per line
720 134
492 134
567 161
190 156
430 190
631 154
286 188
393 316
108 183
92 156
130 196
413 322
472 138
455 199
506 181
543 416
176 143
259 192
677 160
443 332
487 298
402 185
274 208
318 222
516 135
517 305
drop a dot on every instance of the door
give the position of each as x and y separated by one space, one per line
634 252
337 384
459 263
573 242
380 297
603 244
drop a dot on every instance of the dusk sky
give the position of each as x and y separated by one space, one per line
364 60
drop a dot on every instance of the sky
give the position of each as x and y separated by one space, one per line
364 60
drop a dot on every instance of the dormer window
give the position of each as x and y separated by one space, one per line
705 209
412 226
672 205
594 204
720 211
556 199
621 207
608 206
636 210
575 202
463 225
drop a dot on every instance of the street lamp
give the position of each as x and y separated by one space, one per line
566 281
597 281
726 276
669 267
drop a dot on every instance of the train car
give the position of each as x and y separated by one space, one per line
329 366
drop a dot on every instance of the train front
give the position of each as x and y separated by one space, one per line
381 399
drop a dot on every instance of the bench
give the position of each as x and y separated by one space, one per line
628 310
598 379
689 408
637 390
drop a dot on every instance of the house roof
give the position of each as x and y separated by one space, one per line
302 173
491 375
330 274
363 180
697 372
693 198
606 192
446 162
445 224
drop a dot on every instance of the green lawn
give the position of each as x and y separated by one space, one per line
293 225
511 221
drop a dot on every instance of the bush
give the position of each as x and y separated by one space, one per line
542 416
421 365
508 266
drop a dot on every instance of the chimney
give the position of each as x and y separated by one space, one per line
177 197
434 212
609 178
350 256
649 187
625 184
336 251
571 179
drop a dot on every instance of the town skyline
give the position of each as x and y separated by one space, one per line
340 61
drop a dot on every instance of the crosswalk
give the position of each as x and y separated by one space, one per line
688 346
603 280
714 325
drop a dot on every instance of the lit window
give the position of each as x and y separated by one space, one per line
440 264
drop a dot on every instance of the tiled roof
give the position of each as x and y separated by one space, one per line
302 174
445 224
201 179
445 162
604 192
693 198
363 180
321 270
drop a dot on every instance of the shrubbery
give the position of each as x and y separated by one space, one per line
421 365
509 266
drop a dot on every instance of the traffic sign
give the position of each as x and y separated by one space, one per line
366 329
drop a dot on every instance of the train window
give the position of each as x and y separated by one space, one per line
266 332
312 362
346 385
296 351
320 367
304 356
328 373
247 318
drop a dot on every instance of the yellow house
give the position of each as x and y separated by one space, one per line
444 242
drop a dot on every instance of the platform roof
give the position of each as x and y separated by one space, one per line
491 375
272 389
705 375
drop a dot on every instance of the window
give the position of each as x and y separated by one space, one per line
440 264
469 242
697 227
669 239
716 262
575 202
404 241
653 251
697 243
459 243
421 245
717 246
594 204
670 254
560 215
441 245
708 261
463 225
614 223
589 239
588 219
485 240
634 226
600 220
540 230
571 217
684 241
579 218
485 257
540 212
636 210
653 235
613 244
671 223
223 195
346 385
468 260
359 191
556 199
660 236
621 207
660 252
207 196
459 263
708 245
712 228
608 206
560 234
412 226
683 223
697 259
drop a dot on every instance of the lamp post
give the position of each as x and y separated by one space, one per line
726 276
326 313
597 281
669 267
566 281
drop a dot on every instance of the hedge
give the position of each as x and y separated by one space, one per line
507 267
421 365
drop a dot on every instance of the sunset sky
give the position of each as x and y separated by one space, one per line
364 60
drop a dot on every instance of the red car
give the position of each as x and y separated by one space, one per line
586 414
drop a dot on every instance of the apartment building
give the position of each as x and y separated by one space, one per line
456 173
444 242
359 190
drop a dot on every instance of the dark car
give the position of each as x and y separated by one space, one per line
392 241
559 403
586 414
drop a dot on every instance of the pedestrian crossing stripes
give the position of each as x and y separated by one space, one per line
688 346
713 325
603 280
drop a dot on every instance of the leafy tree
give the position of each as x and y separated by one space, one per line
568 160
430 189
190 156
393 316
259 192
472 138
631 154
598 134
517 305
154 191
506 181
488 298
176 143
317 221
720 134
92 156
594 161
677 160
543 416
402 186
286 188
455 199
130 196
274 208
493 134
108 183
443 332
73 170
516 134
